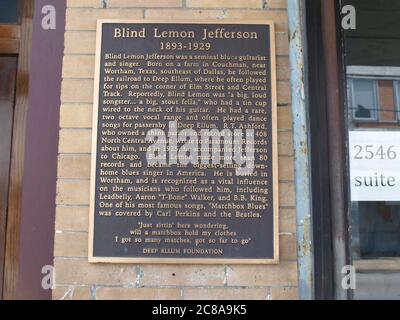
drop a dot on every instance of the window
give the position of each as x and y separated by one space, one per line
363 98
9 11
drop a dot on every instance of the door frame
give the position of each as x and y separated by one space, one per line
8 75
328 148
16 39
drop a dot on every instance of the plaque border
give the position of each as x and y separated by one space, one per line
275 176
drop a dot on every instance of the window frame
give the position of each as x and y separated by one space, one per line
376 107
396 90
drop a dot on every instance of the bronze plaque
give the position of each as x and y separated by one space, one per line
184 158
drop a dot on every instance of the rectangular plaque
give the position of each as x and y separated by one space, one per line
184 156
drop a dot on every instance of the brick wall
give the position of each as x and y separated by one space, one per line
75 277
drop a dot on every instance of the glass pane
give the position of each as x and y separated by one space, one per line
373 73
9 11
379 229
364 99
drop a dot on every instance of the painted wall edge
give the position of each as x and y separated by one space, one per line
41 149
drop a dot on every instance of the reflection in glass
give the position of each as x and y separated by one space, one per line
377 229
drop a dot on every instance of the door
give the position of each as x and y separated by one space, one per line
15 41
372 84
354 112
8 70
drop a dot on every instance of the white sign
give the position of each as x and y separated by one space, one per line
375 165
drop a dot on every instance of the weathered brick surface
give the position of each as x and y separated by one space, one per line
73 192
138 294
74 166
282 68
286 194
284 293
78 66
278 17
78 116
75 141
183 14
224 3
226 294
284 119
72 218
286 170
85 3
181 275
276 4
71 244
285 143
287 220
79 42
283 92
74 271
144 3
77 91
75 277
86 19
72 293
288 250
283 274
282 44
